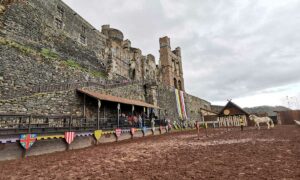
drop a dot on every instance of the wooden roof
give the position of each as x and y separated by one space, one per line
233 109
111 98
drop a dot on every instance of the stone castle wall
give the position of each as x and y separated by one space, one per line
194 106
33 23
34 51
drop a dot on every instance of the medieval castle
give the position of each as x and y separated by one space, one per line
51 59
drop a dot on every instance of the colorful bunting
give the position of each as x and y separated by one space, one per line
69 136
98 134
118 132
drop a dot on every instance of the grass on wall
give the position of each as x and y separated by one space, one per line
49 54
73 64
24 49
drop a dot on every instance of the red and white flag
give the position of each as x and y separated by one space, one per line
69 136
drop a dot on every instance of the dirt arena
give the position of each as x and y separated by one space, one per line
252 154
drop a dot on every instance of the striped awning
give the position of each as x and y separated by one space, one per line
111 98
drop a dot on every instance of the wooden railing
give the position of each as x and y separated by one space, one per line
12 124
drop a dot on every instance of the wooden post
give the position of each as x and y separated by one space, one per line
29 124
159 114
104 114
84 105
118 108
70 122
226 120
98 115
198 129
206 129
132 110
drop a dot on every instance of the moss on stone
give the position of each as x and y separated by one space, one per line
99 74
24 49
73 64
47 53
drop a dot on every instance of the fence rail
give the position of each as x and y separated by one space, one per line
12 124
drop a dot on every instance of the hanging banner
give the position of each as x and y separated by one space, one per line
183 104
118 132
69 137
27 140
180 103
98 134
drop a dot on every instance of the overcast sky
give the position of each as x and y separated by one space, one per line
244 50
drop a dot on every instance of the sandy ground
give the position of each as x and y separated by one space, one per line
252 154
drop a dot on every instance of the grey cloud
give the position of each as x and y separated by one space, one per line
230 48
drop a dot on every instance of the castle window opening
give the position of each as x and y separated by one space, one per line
82 39
175 83
177 69
58 23
60 11
83 29
179 85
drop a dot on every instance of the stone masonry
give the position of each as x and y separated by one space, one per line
43 43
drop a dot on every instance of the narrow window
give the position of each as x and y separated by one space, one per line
58 23
60 11
175 83
82 39
83 29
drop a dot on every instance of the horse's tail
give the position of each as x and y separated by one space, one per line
272 123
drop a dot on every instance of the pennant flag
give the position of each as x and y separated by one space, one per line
118 132
69 136
132 130
27 140
98 134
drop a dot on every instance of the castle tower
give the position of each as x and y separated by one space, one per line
171 64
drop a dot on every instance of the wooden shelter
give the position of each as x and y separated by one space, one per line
288 117
109 111
230 114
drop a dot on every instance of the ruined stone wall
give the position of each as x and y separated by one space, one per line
23 68
166 101
46 42
194 106
134 91
35 24
55 103
171 64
